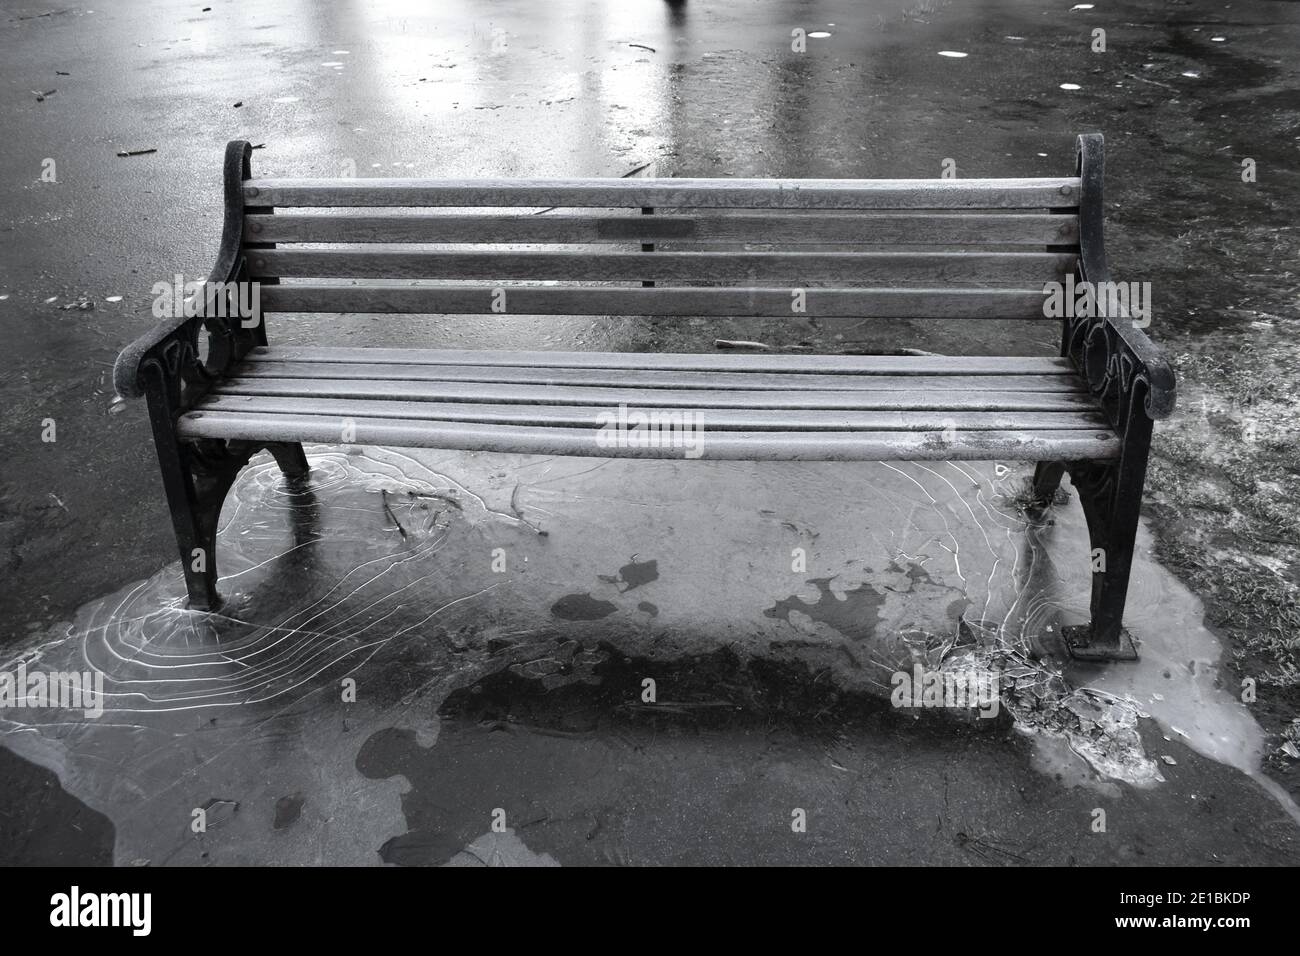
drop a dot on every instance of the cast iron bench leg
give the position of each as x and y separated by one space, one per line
1110 493
1111 507
196 477
1047 478
291 459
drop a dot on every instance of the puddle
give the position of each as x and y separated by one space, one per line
361 611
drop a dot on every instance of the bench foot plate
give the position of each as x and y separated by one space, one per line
1082 645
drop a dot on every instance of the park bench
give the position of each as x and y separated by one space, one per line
965 249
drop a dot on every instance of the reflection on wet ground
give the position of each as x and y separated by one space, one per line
442 657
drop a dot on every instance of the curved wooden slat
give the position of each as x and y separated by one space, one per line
728 445
584 416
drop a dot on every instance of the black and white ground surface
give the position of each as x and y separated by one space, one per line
498 716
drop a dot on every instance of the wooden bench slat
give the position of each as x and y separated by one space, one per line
584 416
701 361
864 399
653 378
1034 229
570 300
683 267
748 446
1041 193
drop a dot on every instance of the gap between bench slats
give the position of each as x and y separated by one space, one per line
572 300
748 446
1038 193
793 227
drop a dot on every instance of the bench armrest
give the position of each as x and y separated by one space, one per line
172 344
1112 347
1115 357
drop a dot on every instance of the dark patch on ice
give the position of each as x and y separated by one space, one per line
287 810
581 607
633 574
502 739
41 824
855 615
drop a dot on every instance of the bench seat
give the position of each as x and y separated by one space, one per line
749 407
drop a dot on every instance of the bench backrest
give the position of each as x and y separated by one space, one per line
689 247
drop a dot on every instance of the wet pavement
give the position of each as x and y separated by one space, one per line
500 615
